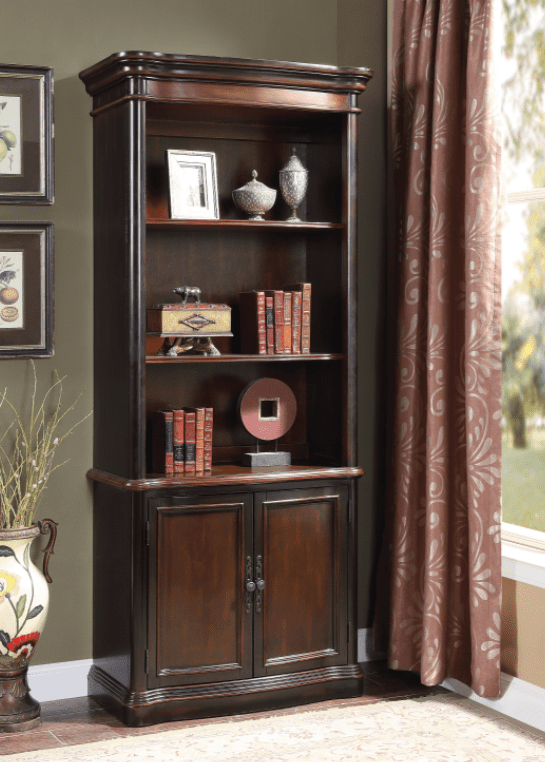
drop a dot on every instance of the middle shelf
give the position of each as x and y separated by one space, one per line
242 358
163 223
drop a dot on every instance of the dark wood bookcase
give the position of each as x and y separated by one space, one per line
233 590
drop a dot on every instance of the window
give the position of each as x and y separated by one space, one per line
522 73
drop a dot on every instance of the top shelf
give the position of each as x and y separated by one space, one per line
265 224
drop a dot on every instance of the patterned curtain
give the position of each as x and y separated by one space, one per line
441 561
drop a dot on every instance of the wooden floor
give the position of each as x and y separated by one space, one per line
81 720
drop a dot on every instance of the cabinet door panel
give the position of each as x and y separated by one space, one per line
300 542
200 628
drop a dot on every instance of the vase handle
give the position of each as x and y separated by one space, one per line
48 525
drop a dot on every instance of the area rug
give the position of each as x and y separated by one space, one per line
432 729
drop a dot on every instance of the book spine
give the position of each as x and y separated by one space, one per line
269 324
261 327
178 441
162 442
190 443
208 428
287 323
253 335
296 322
199 439
279 322
305 318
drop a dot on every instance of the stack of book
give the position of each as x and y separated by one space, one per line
182 440
275 322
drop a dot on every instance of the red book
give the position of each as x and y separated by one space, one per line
198 412
287 323
253 333
305 289
190 441
269 323
162 453
296 322
178 441
208 426
278 306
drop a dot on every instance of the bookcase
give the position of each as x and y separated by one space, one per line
231 590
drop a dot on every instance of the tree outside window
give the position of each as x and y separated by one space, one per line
523 262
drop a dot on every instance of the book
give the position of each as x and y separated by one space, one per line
162 452
296 322
269 324
278 307
305 289
287 324
190 440
178 441
199 435
253 333
208 429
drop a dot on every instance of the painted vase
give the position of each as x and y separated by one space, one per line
24 602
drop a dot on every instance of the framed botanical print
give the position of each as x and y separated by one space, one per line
26 135
26 289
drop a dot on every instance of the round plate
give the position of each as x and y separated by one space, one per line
267 408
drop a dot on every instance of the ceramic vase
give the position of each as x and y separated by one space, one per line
24 602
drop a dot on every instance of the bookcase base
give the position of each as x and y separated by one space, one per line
137 709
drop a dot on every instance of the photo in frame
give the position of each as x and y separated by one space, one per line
193 185
26 135
26 289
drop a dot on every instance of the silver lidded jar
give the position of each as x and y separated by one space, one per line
293 184
254 198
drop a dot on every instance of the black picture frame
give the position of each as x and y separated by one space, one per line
27 153
26 289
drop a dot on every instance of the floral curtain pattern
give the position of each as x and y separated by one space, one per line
442 544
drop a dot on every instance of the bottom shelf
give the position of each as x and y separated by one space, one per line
228 474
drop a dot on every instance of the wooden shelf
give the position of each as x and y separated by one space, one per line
241 224
152 359
228 474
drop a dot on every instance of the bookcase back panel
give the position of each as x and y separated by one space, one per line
219 387
324 272
239 120
235 161
207 260
324 422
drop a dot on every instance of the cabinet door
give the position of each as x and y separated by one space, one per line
300 550
200 626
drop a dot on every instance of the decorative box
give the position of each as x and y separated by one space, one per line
195 319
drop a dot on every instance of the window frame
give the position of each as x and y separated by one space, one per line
523 549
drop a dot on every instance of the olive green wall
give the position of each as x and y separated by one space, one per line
70 35
361 41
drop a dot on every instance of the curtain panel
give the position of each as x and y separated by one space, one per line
439 594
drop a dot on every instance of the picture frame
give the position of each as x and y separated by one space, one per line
26 135
193 185
26 289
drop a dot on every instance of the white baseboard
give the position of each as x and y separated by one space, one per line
60 680
366 652
519 699
68 679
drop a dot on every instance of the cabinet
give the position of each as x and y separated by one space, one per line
183 626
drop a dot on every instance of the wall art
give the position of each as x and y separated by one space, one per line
26 289
26 135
